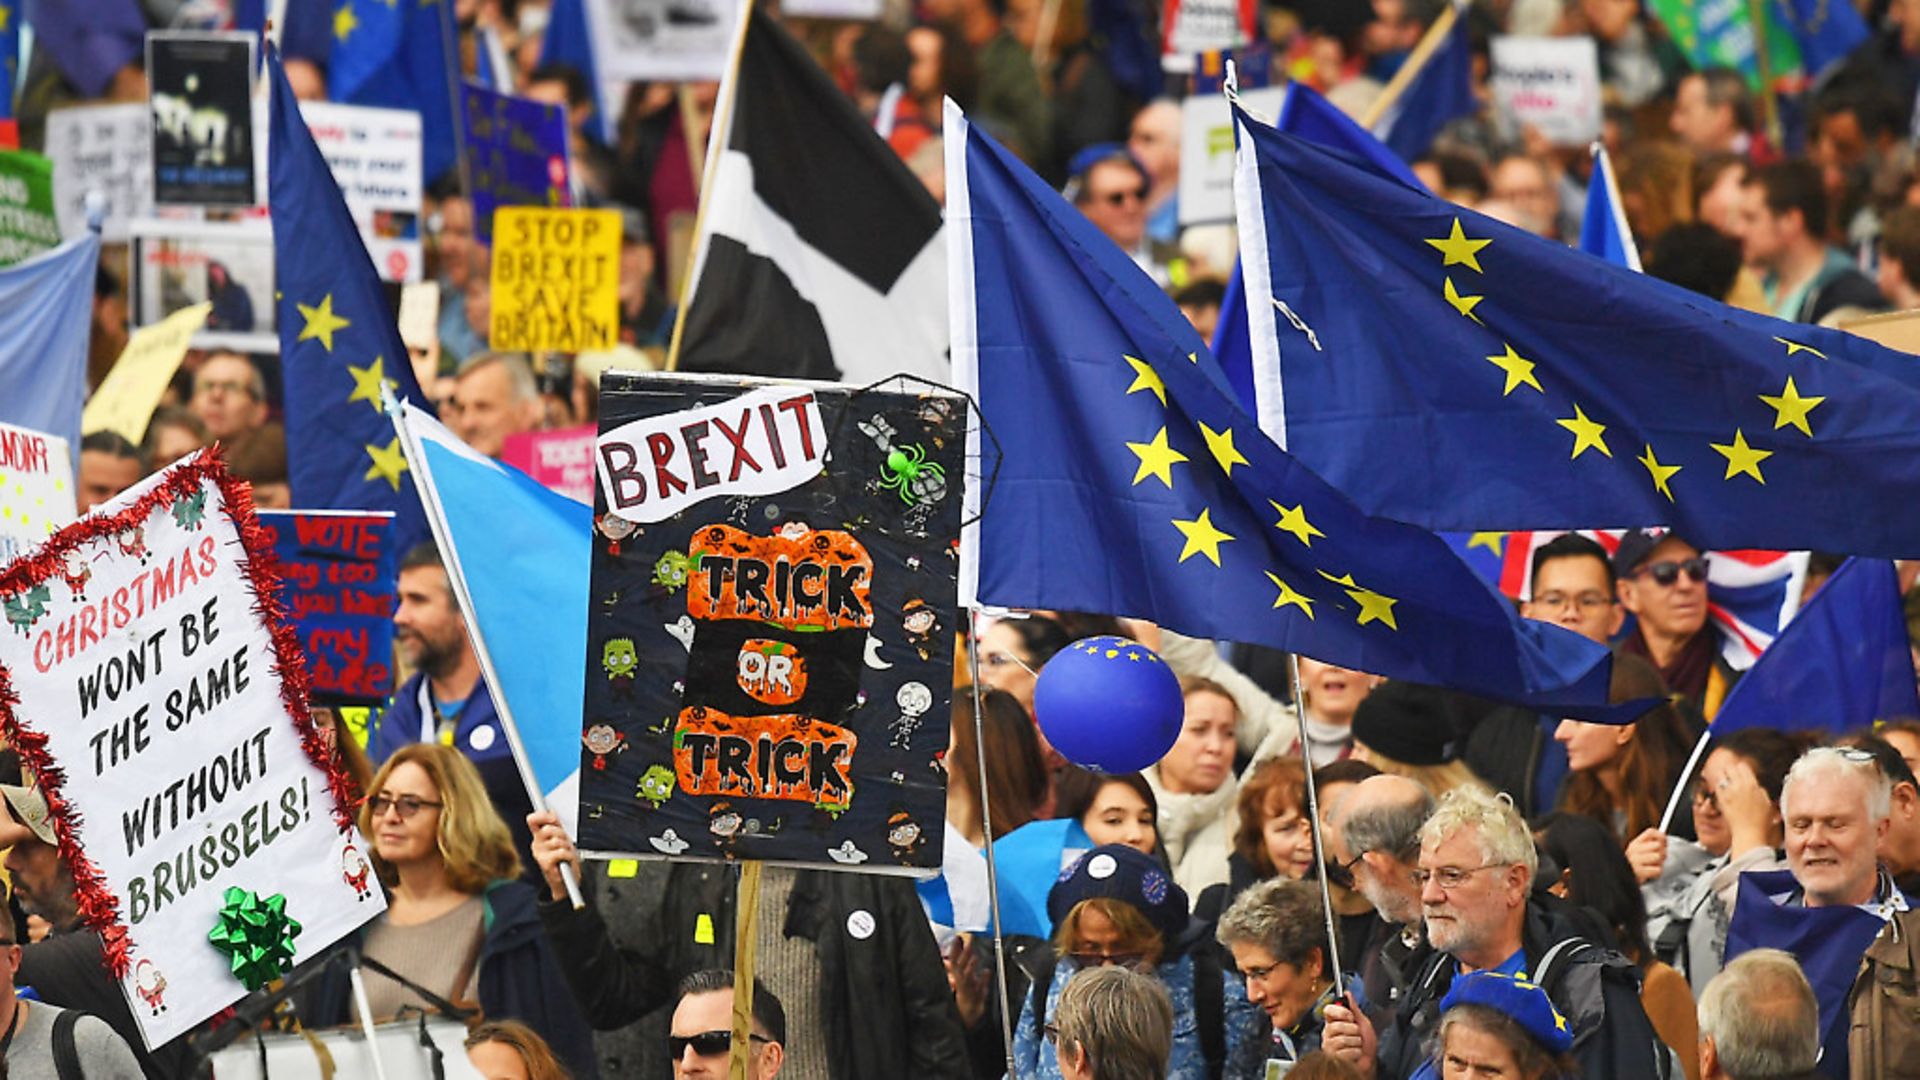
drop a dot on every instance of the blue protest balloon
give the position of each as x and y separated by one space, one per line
1109 704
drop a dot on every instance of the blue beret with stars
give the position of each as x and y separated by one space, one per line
1517 998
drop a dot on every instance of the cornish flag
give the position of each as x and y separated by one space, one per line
819 254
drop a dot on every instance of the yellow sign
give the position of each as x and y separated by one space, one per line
131 391
556 279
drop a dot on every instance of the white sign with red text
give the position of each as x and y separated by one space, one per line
760 443
36 488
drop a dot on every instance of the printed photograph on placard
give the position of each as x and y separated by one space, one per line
202 118
229 265
771 633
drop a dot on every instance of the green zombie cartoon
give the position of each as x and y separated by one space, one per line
24 609
673 570
190 510
656 785
620 660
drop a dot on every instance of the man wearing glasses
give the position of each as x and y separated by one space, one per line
1663 585
1475 873
701 1033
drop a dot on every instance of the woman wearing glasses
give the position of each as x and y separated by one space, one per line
1118 906
1277 933
459 925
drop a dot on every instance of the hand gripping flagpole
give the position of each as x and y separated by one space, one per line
1319 834
443 539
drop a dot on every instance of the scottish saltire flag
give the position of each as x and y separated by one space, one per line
1125 478
1603 228
1828 942
1444 369
339 346
1441 92
568 41
1029 860
46 315
1842 663
517 555
393 54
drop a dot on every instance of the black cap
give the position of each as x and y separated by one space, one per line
1637 544
1407 722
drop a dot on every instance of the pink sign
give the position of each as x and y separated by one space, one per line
560 460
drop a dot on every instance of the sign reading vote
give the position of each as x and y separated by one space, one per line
556 280
340 579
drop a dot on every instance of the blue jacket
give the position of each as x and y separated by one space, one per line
519 979
478 735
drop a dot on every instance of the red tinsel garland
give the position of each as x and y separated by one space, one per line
99 908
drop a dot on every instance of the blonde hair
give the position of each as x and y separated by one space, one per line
1438 779
1136 933
473 841
1501 831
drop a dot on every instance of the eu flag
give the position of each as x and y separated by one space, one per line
1120 475
338 342
393 54
1441 91
1447 370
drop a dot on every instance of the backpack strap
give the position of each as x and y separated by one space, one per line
66 1054
1210 1008
1553 965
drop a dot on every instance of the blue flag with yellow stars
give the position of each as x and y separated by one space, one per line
338 341
1122 477
1447 370
393 54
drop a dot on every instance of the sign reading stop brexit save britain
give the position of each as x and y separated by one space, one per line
770 649
556 280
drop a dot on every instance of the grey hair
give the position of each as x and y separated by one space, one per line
1500 830
1279 915
1838 759
519 372
1762 1016
1391 828
1123 1019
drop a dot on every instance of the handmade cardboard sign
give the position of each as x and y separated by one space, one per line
517 149
36 488
342 591
556 279
770 651
153 689
125 401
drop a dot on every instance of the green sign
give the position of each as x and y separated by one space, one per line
1721 35
27 222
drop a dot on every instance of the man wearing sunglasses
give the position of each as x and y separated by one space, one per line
1663 585
700 1037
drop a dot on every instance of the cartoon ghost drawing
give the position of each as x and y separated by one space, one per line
604 741
620 660
656 785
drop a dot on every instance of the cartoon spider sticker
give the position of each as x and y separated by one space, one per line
604 742
907 472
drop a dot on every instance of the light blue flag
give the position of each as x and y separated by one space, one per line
1603 228
46 313
517 555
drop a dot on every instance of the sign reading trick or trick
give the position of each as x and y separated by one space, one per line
770 646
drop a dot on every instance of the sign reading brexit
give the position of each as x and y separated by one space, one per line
770 662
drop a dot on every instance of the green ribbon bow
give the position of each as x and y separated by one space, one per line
256 935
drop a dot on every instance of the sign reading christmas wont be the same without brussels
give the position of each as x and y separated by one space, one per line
770 642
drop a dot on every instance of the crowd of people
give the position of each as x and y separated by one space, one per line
1329 874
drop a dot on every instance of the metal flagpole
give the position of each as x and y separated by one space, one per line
1680 786
986 831
1319 836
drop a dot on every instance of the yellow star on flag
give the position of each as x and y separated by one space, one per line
1742 458
320 322
388 462
1373 606
1220 443
1289 597
1459 250
1796 347
1791 408
1202 537
367 382
1293 519
1661 473
1519 371
1144 378
343 21
1586 433
1489 540
1157 459
6 16
1462 304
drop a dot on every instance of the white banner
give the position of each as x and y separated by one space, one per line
760 443
108 148
662 39
140 657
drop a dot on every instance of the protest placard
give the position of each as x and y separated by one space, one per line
103 148
661 39
560 460
154 692
556 280
864 10
1549 83
125 401
375 157
225 264
770 649
1206 152
1198 26
340 573
518 151
36 488
202 117
27 221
